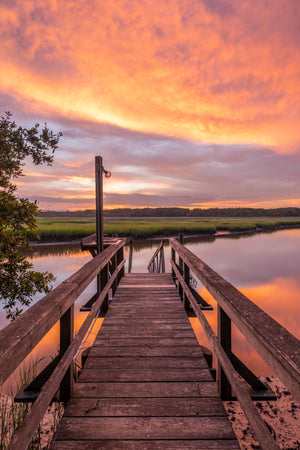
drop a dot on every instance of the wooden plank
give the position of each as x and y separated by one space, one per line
146 287
139 307
147 274
107 342
146 327
148 282
146 389
143 313
142 320
145 303
143 375
145 362
151 292
145 428
145 407
143 296
147 445
184 352
177 324
140 334
139 316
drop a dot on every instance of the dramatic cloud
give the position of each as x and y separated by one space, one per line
150 170
191 102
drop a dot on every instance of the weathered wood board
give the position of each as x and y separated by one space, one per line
145 383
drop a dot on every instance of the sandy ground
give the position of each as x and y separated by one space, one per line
282 417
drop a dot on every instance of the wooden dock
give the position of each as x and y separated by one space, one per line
145 383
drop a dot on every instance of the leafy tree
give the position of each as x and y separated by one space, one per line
18 282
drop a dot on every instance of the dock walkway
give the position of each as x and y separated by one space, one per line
145 383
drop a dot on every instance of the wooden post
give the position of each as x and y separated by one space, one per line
173 256
120 257
160 262
113 268
180 290
186 275
66 337
103 282
163 266
224 334
130 256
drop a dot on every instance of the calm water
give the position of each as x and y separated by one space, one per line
265 267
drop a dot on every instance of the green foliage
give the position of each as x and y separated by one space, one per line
54 230
18 282
180 212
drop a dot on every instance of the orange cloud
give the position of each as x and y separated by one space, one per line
214 71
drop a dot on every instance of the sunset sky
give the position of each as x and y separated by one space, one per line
192 103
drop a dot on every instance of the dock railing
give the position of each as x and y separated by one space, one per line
20 337
157 262
279 348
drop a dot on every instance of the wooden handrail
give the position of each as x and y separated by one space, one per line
255 420
155 256
24 434
279 348
20 337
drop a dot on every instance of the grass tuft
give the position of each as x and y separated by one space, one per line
68 229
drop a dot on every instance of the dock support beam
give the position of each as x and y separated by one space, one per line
224 333
66 337
180 290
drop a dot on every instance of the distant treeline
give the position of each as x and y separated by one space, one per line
179 212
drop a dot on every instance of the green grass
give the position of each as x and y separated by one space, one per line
69 229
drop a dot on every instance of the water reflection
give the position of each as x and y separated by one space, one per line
265 267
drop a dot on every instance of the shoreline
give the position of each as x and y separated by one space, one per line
223 233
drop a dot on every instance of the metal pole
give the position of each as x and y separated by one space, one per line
99 202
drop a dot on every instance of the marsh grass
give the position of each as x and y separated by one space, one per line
13 413
68 229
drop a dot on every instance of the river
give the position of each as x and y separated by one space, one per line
264 266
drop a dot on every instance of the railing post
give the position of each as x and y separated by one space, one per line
160 262
66 337
120 257
180 290
130 256
113 268
186 275
163 267
173 256
224 334
103 282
